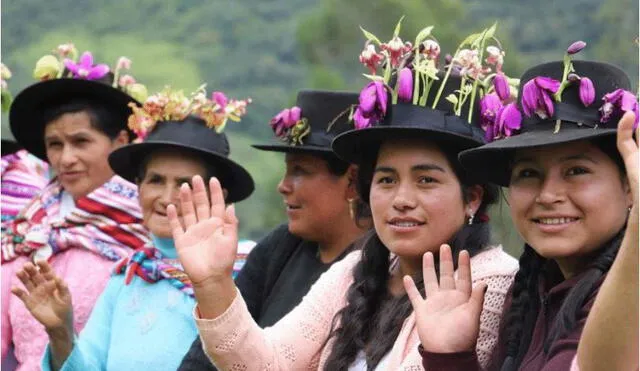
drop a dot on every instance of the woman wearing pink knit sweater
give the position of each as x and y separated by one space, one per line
357 316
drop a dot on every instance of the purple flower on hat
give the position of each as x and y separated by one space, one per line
587 91
618 102
285 120
501 85
373 104
405 84
85 69
490 106
576 47
220 99
509 120
536 96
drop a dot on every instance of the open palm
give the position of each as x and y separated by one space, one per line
46 297
208 241
628 148
448 319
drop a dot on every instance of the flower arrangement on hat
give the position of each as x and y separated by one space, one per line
539 93
415 68
64 63
173 105
290 126
5 94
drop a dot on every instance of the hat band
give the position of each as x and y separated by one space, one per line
582 116
317 139
426 118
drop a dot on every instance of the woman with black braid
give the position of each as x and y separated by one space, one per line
571 192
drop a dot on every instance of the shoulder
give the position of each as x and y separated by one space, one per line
279 239
493 261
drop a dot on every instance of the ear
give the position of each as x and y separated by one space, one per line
352 176
121 139
474 198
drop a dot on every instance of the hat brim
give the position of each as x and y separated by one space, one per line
491 162
126 161
283 148
353 145
9 147
26 114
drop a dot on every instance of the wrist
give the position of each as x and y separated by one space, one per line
214 297
62 333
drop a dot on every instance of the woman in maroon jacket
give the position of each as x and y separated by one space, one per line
571 193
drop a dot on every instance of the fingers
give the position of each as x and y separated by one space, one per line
33 273
218 207
26 280
45 270
626 145
176 228
230 226
412 291
429 274
21 294
447 282
62 288
463 283
186 205
200 198
477 298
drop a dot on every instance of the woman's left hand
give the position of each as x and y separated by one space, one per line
628 148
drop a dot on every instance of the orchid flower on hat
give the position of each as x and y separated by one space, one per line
5 94
290 126
65 64
170 105
539 94
415 67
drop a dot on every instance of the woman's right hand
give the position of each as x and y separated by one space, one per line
47 297
448 319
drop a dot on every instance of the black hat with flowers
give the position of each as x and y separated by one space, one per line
64 78
312 123
170 120
425 102
561 102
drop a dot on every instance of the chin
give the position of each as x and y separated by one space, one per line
301 230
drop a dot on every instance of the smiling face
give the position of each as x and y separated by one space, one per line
567 201
416 198
160 185
315 198
78 152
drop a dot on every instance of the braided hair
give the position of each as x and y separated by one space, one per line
373 318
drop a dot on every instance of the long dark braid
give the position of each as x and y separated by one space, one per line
372 319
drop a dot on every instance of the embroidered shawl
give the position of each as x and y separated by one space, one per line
23 176
107 222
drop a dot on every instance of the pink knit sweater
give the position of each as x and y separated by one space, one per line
234 342
85 272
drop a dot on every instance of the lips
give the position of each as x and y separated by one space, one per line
405 222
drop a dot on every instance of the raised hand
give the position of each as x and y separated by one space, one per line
628 148
448 319
207 243
47 297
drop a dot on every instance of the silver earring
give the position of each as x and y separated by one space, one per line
471 219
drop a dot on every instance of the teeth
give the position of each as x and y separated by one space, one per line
556 220
405 224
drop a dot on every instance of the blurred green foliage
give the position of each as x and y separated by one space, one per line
270 49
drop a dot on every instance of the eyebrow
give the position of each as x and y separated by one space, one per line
80 134
420 167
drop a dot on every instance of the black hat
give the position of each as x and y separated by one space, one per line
491 161
327 115
9 146
191 134
26 116
406 120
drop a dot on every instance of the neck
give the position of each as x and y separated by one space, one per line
165 245
572 266
336 243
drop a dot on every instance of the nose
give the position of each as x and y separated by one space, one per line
285 186
404 198
68 156
170 195
552 190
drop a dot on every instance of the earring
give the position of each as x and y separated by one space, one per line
351 212
471 217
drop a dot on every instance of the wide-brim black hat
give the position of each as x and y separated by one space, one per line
405 120
192 135
321 109
491 162
26 116
9 146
